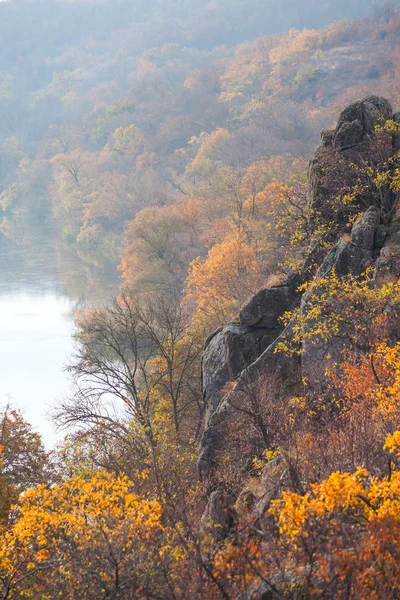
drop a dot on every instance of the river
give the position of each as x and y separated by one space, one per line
42 283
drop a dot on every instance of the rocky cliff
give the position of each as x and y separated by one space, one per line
242 369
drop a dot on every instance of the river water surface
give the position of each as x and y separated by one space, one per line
42 283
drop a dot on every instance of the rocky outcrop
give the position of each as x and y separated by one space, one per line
233 348
268 305
351 257
363 233
229 351
272 374
262 371
276 373
354 132
357 122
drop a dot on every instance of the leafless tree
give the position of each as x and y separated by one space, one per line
114 372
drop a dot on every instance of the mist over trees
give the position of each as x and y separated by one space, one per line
109 108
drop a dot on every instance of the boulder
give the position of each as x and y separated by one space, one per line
354 256
346 259
357 122
266 308
365 228
349 135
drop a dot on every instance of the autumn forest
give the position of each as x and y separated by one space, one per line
230 429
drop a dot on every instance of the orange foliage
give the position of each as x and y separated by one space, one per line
231 272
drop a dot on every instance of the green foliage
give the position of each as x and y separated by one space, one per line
306 74
23 460
63 82
119 107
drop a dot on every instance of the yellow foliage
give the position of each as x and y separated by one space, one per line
350 522
392 443
344 307
78 523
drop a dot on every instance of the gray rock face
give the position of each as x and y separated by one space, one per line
248 351
233 348
365 228
274 373
357 122
388 264
268 305
382 105
381 235
345 258
352 258
317 193
271 374
349 135
327 137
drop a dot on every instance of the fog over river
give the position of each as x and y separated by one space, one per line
41 285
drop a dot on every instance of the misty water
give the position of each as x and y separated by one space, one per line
42 283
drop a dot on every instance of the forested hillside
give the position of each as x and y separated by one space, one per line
111 109
232 428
